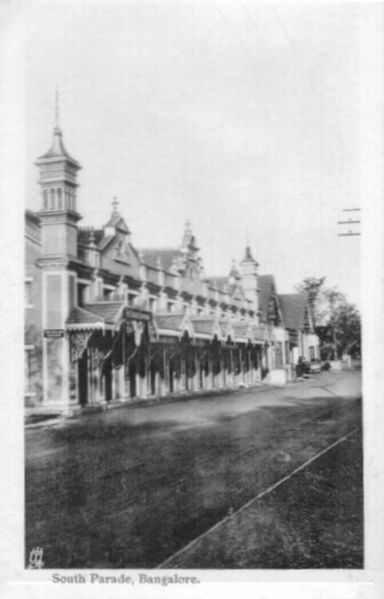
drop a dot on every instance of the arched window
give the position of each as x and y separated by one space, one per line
52 199
45 199
59 199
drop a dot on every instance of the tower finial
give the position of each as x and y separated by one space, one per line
57 124
115 204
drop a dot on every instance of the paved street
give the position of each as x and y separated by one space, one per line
129 487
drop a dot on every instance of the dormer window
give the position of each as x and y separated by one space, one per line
122 251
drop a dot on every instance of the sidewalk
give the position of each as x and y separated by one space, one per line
336 384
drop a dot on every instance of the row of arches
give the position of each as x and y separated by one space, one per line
56 199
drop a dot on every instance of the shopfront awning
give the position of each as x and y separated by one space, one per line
103 315
260 334
242 332
227 331
207 328
81 319
172 325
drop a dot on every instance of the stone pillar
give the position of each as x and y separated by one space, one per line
121 384
59 375
143 386
157 384
164 386
137 385
114 385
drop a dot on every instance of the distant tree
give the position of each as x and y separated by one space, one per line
337 322
313 288
345 328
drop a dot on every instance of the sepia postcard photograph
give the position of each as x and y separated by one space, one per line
196 237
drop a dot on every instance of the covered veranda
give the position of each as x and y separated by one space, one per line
119 353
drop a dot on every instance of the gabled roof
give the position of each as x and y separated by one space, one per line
151 256
173 324
117 222
169 321
108 311
266 285
293 307
226 329
207 326
82 318
242 330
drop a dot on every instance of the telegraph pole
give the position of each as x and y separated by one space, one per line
352 221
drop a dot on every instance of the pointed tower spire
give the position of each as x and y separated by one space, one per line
57 122
58 174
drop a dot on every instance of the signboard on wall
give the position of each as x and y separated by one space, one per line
53 333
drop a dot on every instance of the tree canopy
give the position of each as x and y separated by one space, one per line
337 322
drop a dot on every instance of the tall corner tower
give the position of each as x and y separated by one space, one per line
58 183
58 218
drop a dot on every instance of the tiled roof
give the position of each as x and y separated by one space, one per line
226 328
152 275
106 311
194 287
259 332
82 316
166 255
115 220
293 308
266 283
241 329
171 322
203 325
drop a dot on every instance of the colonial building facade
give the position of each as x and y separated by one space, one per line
107 322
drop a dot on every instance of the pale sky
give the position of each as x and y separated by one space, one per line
241 117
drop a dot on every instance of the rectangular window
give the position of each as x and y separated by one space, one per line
28 293
312 354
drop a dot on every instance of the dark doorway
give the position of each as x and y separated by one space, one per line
200 376
108 380
132 381
170 377
153 379
83 378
